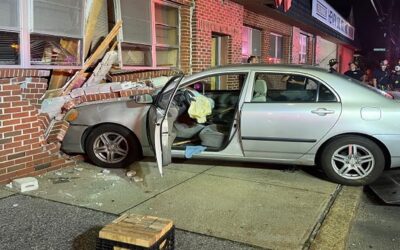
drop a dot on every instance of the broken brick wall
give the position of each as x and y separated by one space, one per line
24 150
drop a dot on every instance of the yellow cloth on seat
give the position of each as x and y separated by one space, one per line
199 108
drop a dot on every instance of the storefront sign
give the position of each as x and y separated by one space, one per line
326 14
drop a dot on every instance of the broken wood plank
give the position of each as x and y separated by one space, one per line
91 24
78 79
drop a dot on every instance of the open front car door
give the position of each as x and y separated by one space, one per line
160 121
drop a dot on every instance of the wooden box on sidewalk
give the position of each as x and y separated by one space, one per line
131 231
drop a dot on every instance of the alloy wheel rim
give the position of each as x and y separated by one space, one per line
353 161
110 147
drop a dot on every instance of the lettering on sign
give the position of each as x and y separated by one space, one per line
322 11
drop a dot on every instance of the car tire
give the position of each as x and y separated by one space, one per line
352 160
112 146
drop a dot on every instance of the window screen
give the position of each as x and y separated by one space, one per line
58 17
167 26
256 42
279 47
303 49
276 46
136 18
9 14
50 50
9 48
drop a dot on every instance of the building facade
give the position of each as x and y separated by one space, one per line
43 43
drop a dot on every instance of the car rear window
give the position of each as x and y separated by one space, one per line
364 85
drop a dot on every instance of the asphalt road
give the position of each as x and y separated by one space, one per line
35 223
376 225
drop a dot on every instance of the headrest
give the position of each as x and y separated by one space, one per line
260 86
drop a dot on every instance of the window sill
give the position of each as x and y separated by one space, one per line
146 68
39 67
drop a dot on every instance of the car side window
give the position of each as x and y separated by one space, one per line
271 87
325 95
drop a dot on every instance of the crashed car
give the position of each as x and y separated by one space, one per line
260 113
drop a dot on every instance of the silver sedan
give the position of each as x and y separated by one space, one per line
260 113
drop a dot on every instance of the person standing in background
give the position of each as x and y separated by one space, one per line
333 65
381 76
354 72
395 77
253 59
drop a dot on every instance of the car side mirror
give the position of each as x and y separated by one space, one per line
144 99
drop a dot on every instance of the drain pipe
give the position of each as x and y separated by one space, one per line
192 7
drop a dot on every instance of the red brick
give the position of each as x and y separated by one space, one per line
22 114
12 145
12 134
5 129
5 93
6 164
5 105
31 141
21 103
11 98
22 138
22 148
5 117
29 119
16 168
12 110
16 155
23 160
12 122
23 126
6 152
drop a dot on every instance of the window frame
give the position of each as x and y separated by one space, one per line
249 31
303 43
154 45
251 82
275 57
25 8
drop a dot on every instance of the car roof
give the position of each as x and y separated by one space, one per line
256 67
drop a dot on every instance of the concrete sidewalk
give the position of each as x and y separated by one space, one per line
247 203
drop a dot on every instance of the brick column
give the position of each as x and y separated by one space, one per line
23 148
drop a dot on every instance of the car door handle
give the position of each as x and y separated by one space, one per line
322 111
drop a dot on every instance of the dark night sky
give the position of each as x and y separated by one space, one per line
369 32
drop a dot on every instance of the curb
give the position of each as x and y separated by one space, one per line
334 231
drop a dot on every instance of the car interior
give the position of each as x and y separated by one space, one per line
203 113
289 88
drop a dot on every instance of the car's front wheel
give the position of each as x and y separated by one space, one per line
112 146
352 160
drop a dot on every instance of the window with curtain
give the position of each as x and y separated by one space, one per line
251 42
303 48
276 48
9 36
149 38
56 32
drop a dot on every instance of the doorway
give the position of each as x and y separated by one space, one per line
219 56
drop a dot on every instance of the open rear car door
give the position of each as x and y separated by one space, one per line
160 121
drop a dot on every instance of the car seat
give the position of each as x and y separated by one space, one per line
260 91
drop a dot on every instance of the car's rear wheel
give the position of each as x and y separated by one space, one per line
352 160
112 146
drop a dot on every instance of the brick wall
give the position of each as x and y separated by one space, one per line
268 25
295 45
24 150
140 75
224 18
